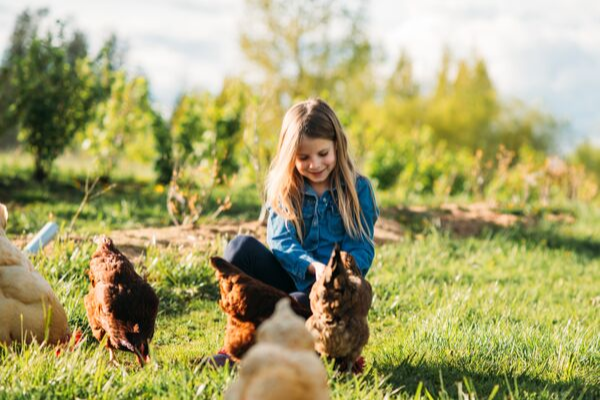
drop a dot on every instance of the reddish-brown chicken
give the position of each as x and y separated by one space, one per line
120 305
340 301
247 303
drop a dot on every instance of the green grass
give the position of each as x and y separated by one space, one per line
513 314
507 313
132 202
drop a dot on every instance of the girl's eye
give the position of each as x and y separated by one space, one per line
302 158
323 154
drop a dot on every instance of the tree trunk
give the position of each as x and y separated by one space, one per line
40 172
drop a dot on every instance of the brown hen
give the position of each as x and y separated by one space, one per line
120 305
340 301
247 303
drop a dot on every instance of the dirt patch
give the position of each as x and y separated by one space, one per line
204 236
133 242
461 221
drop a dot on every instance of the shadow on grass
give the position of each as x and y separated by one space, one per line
551 238
175 301
532 230
183 287
129 203
439 378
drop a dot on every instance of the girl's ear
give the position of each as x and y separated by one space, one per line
3 216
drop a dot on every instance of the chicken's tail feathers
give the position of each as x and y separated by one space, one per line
224 267
336 255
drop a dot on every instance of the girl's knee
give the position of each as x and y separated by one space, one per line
241 244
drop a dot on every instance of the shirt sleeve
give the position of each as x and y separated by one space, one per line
284 243
361 249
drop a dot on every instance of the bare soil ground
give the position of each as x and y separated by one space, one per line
461 221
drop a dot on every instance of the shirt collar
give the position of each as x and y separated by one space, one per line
308 190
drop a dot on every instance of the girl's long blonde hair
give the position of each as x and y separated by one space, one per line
314 119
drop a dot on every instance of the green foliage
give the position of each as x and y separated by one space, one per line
400 83
588 155
386 165
410 164
26 27
204 126
519 125
163 165
462 109
443 143
189 129
122 124
305 49
53 92
228 115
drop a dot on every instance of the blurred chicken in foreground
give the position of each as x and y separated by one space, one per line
282 364
120 305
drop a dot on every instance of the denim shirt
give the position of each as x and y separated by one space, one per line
323 228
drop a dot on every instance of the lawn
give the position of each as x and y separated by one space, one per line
511 313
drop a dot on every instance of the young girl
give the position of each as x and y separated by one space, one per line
316 199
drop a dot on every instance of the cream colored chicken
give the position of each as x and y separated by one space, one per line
283 363
29 310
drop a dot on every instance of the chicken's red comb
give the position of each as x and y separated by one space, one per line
75 336
359 366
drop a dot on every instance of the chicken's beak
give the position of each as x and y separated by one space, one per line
141 359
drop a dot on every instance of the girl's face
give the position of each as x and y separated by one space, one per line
315 160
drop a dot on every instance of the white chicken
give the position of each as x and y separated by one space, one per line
29 309
283 364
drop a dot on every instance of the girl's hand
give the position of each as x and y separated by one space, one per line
316 268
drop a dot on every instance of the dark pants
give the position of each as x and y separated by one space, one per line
251 256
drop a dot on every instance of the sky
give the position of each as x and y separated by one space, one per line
546 53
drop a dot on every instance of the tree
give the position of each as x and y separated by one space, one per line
403 107
462 110
190 129
201 119
54 96
25 30
588 155
47 83
163 165
401 82
302 49
125 120
228 116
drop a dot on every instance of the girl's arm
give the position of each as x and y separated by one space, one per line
283 241
361 249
